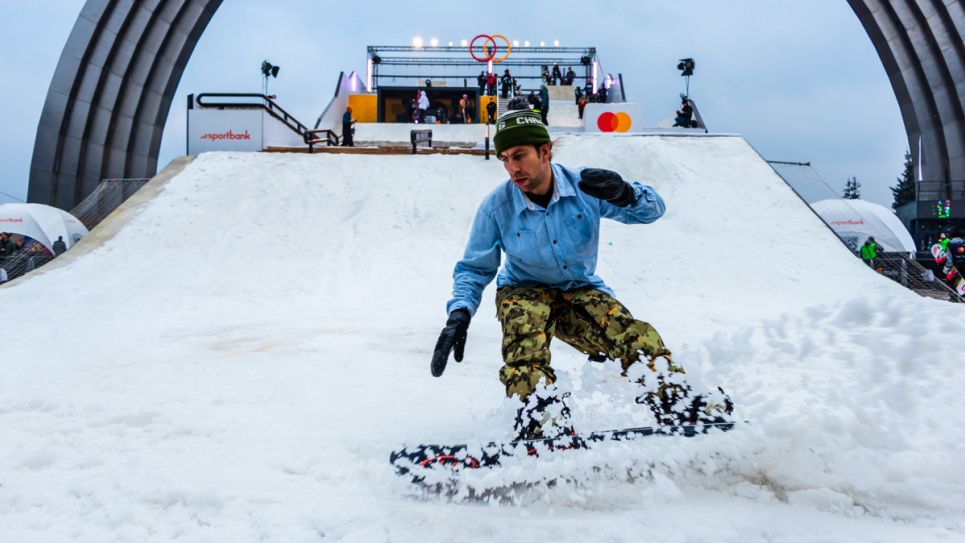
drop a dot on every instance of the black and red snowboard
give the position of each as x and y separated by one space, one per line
458 457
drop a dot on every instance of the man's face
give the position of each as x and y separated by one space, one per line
528 168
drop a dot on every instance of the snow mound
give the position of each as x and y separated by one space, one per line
240 359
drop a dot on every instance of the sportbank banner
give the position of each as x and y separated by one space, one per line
224 130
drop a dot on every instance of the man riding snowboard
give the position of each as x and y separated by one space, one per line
546 219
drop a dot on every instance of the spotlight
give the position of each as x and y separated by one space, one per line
417 41
526 44
515 43
450 44
542 44
267 69
464 42
434 42
686 67
556 43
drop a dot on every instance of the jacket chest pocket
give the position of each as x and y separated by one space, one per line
523 248
580 230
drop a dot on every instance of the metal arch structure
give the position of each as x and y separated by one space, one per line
113 88
111 93
920 45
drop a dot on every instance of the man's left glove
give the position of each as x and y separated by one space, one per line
607 185
452 336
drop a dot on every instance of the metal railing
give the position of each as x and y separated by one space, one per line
913 275
940 190
265 102
314 136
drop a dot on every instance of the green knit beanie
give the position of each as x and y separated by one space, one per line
519 127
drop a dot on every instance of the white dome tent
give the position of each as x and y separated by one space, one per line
855 220
42 223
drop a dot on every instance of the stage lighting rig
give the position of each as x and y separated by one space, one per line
268 70
686 67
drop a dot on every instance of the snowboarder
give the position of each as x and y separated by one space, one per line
869 251
546 219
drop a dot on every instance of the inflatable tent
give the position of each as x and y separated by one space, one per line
855 220
42 223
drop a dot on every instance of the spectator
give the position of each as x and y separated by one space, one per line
471 111
491 81
869 251
481 81
463 106
491 112
581 104
544 103
684 114
533 99
544 74
507 83
423 105
557 75
578 93
348 129
6 246
59 246
570 75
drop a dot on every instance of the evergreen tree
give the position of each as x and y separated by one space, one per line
904 191
852 190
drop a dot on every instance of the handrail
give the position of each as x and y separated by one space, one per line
420 136
270 107
331 138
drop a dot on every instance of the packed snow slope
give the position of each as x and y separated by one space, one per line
238 361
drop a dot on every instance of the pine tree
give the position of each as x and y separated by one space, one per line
904 191
852 190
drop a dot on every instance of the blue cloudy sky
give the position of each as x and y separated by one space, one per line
800 81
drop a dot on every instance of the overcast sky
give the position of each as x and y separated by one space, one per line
800 81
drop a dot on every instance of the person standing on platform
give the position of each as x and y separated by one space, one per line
348 127
544 103
507 84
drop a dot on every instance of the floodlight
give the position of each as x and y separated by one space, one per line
686 67
542 44
434 42
556 43
526 44
465 42
417 41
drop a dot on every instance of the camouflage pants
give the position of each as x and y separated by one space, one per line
589 320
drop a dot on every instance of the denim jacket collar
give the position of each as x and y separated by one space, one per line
561 187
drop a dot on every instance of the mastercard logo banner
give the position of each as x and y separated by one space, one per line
609 121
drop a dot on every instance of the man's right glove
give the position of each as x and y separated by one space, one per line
607 185
452 336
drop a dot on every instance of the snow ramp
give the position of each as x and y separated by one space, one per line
237 361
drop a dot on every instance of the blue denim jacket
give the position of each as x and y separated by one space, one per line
555 247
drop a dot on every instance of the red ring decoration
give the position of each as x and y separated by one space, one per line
488 39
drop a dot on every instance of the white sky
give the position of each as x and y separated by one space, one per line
800 80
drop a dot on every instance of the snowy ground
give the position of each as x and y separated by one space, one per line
237 363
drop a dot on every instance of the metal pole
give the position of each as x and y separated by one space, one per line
487 135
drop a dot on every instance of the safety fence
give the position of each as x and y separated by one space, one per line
921 276
107 197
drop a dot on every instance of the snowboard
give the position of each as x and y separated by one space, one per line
458 457
950 273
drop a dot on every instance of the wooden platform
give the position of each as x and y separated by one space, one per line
382 150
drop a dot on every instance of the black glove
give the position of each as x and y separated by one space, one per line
453 335
607 185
